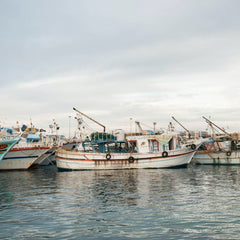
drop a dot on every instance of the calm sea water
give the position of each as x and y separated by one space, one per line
189 203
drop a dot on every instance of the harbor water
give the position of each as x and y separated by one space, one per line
198 202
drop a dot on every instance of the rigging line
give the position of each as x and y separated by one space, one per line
147 125
86 125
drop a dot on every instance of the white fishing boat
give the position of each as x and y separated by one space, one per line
86 160
22 158
219 149
54 140
25 152
105 151
218 152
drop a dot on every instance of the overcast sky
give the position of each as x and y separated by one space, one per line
120 59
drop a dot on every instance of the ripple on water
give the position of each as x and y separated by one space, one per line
189 203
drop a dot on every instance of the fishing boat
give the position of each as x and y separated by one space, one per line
23 152
218 149
54 140
101 150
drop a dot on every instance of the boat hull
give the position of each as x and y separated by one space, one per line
217 158
22 158
98 161
46 158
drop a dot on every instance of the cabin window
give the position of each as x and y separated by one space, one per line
32 140
133 146
170 144
153 146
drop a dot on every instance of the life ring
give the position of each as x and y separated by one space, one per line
165 154
131 159
193 146
229 153
108 156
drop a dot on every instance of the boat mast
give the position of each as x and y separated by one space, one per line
189 134
104 128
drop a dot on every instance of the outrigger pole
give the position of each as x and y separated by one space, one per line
189 134
104 128
210 122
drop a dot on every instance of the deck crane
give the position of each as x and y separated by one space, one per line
189 134
211 123
139 126
104 128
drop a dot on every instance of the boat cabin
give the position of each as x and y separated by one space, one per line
106 143
153 143
103 143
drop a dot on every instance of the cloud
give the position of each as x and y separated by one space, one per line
116 60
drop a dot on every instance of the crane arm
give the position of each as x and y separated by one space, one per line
104 128
210 122
139 126
189 134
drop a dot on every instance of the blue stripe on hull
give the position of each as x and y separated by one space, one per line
20 157
69 170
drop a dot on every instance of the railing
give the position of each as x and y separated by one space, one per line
8 137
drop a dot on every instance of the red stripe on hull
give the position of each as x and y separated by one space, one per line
139 159
27 148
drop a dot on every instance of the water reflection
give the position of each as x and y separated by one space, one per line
121 204
20 184
121 187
